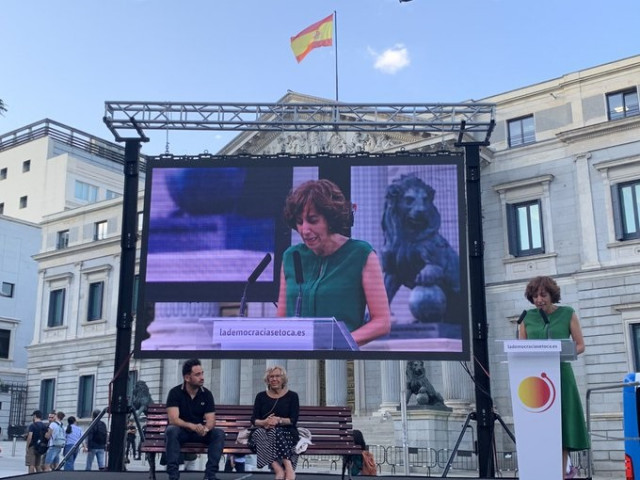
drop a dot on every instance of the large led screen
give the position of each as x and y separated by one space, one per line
213 242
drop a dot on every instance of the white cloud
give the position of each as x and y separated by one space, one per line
392 59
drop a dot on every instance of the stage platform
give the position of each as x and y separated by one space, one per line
95 475
12 467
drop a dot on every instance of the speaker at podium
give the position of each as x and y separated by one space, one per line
534 379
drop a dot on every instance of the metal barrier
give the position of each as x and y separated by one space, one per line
507 461
379 453
463 460
580 460
419 458
614 386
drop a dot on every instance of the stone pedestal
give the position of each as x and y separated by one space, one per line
434 429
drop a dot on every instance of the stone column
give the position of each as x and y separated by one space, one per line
390 382
588 243
359 373
274 361
336 382
457 387
229 382
312 390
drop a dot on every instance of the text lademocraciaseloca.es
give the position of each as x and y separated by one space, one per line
278 332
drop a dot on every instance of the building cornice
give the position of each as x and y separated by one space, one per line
599 130
502 187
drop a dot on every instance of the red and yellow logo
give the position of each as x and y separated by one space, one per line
537 394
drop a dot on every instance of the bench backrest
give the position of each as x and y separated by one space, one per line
330 427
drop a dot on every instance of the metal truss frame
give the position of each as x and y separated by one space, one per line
476 120
472 122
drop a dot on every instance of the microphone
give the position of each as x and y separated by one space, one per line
520 319
545 319
260 268
297 265
252 278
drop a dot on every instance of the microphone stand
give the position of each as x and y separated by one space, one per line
299 301
545 319
252 278
520 319
243 301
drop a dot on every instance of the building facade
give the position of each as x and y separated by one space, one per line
19 242
45 167
560 196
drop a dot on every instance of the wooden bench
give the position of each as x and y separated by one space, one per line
330 428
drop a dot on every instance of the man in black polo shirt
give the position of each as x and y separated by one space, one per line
192 417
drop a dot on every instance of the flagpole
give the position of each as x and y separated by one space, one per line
335 34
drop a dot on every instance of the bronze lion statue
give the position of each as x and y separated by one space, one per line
419 385
414 253
141 398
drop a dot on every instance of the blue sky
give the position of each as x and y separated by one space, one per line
62 59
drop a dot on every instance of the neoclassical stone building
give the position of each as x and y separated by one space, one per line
561 190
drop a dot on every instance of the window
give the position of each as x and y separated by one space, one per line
525 228
140 221
86 192
7 289
85 395
521 131
626 209
3 173
100 230
2 208
111 194
23 202
63 239
47 391
56 307
635 338
94 311
5 343
26 166
622 104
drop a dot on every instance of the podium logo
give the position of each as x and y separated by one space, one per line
537 394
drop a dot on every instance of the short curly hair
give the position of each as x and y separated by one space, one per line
328 200
283 372
547 283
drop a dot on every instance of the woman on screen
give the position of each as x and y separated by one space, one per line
340 276
560 322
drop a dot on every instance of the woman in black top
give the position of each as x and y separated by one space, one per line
275 413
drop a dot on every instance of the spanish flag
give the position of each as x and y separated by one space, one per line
320 34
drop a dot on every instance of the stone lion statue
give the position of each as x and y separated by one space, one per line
414 253
141 398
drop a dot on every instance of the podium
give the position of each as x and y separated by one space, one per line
534 378
280 333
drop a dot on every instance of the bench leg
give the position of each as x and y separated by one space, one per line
151 457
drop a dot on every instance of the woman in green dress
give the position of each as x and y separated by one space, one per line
341 276
544 293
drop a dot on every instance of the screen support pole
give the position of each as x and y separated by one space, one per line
119 404
484 403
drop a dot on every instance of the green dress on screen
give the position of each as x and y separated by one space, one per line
332 284
574 428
